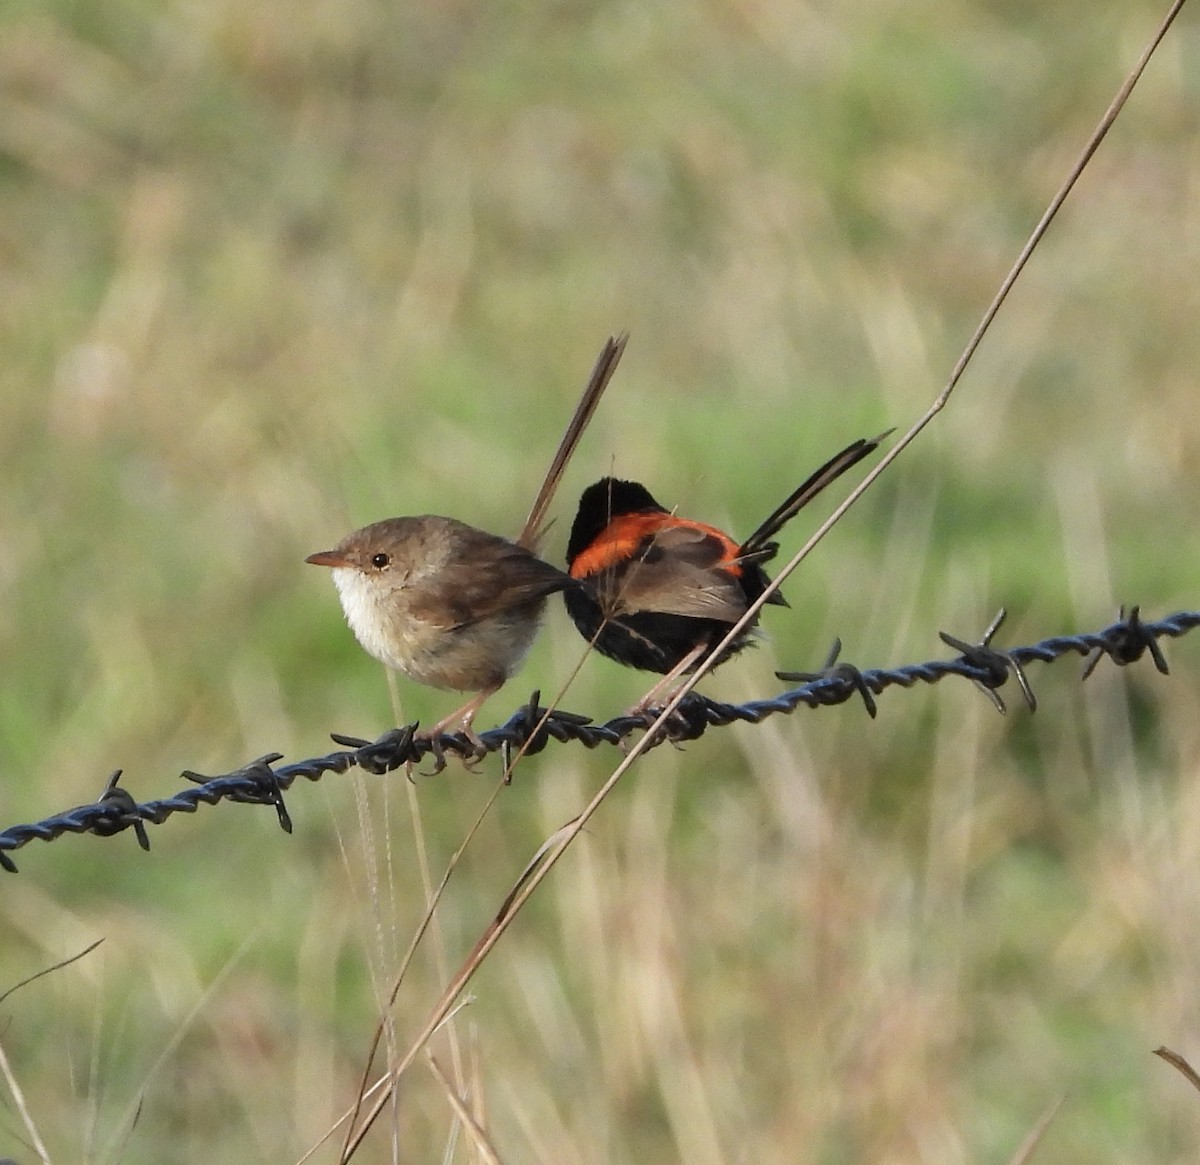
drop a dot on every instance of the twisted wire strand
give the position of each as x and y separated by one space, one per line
529 728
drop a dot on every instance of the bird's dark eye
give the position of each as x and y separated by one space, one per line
379 561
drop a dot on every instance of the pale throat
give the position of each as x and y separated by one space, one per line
375 627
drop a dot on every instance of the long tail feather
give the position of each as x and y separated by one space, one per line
826 475
606 365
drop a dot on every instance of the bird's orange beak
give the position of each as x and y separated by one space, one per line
327 558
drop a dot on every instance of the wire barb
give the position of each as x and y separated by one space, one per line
258 785
841 674
1127 642
122 803
994 666
263 781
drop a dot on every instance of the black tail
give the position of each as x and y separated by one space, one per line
826 475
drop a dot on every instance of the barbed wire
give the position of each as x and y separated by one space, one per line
530 729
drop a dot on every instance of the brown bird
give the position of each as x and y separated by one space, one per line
451 606
662 591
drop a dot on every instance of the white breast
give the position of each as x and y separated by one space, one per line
379 635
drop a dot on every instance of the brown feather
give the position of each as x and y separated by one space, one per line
606 365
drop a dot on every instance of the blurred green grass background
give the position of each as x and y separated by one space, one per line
269 272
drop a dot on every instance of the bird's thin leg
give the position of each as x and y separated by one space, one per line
667 682
459 721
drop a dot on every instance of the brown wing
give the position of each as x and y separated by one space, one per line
487 576
677 572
